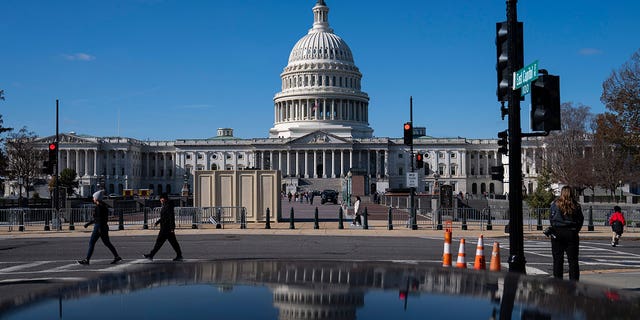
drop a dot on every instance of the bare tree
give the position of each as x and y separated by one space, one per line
566 158
621 95
24 158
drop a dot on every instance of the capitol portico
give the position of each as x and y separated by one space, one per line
320 133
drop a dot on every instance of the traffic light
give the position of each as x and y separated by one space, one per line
419 160
503 142
545 103
53 157
408 133
497 173
505 79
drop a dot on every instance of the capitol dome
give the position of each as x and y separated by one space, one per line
321 87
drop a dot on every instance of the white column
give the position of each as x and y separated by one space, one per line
341 163
297 164
333 163
350 159
315 164
95 162
306 163
386 163
368 153
324 163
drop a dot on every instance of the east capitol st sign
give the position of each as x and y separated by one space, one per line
523 77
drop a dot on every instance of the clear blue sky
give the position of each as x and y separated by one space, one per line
172 69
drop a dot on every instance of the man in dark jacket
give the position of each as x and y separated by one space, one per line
167 223
100 229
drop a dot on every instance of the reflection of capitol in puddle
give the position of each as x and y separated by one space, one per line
304 303
311 290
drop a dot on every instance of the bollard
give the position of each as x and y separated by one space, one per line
365 219
243 219
590 227
439 215
21 221
390 220
219 218
539 226
316 225
46 221
340 218
120 220
194 219
291 223
489 225
145 218
71 224
267 225
464 220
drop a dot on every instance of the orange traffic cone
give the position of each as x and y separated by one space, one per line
446 257
461 263
480 263
495 257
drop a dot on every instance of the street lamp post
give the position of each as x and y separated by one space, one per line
349 186
20 184
620 184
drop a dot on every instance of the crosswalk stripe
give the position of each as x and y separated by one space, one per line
23 266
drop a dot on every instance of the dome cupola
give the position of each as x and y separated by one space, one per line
321 86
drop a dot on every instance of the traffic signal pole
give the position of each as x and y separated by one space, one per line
516 239
412 190
56 196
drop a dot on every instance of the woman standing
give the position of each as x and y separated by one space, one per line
357 221
566 219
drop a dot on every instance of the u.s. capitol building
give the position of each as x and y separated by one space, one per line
320 135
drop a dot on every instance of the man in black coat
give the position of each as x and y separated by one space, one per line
167 223
100 229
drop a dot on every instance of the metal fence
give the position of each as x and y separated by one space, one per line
19 219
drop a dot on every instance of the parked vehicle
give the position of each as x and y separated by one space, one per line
329 196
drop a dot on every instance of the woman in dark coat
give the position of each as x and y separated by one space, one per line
567 220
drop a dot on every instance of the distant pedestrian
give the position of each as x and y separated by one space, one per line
311 195
357 221
616 221
167 223
567 220
100 229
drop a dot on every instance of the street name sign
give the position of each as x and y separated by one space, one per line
525 75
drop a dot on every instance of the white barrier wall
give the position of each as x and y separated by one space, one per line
255 190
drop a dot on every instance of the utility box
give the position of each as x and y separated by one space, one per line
255 190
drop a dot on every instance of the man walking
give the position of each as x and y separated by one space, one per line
167 223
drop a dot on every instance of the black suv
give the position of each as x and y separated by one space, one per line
329 196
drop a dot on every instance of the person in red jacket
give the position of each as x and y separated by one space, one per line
616 221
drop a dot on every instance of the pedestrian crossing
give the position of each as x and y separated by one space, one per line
66 266
592 254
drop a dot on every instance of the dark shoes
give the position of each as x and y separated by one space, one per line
178 258
147 256
116 260
83 262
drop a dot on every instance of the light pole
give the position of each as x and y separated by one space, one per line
620 184
349 175
20 184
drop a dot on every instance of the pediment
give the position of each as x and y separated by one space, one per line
317 138
67 138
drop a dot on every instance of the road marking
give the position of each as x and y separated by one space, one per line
23 280
23 266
